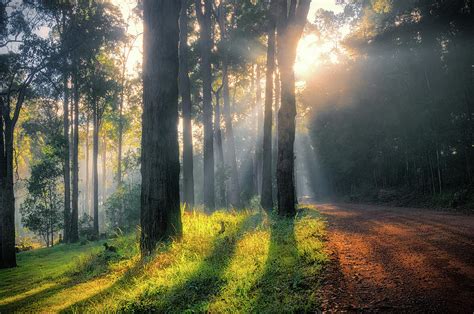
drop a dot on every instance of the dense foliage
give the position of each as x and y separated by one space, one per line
122 208
395 123
42 209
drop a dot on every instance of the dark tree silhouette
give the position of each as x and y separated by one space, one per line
290 23
74 227
160 208
204 12
66 161
267 196
234 185
95 156
185 93
220 168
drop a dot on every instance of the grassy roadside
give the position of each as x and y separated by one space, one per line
228 262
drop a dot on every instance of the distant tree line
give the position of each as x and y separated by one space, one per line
75 54
395 123
54 51
160 197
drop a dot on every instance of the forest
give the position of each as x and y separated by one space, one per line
272 156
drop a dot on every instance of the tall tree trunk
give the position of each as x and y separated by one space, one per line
104 170
220 152
440 185
258 147
430 167
160 207
87 191
7 209
255 129
95 174
3 172
290 24
67 163
469 136
47 237
234 186
275 137
8 204
74 231
120 128
203 11
267 186
120 144
185 92
286 139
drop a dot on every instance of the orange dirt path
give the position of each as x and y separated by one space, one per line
398 260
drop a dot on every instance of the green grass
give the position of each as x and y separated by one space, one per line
259 263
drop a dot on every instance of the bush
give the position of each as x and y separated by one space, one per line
41 210
122 208
86 227
25 244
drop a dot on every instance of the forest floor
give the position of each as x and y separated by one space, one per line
244 261
398 260
338 258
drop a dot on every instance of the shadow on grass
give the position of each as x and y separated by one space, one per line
35 267
96 265
136 270
284 286
194 294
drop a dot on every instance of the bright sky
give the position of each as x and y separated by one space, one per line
135 28
310 49
329 5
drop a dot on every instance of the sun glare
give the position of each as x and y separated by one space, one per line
312 50
311 53
307 55
134 29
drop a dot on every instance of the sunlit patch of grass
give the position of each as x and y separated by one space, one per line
295 259
244 261
41 274
40 266
243 273
20 296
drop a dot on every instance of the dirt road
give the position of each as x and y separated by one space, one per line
398 260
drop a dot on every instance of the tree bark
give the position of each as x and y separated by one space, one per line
160 206
7 209
104 170
440 185
267 186
3 172
220 152
234 195
67 163
203 11
95 175
87 191
185 92
275 137
120 127
74 231
234 186
259 139
120 144
290 24
8 204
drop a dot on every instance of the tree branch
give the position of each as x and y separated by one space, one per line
22 91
